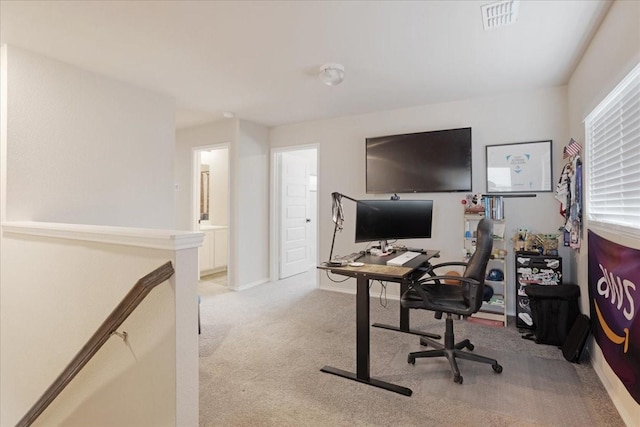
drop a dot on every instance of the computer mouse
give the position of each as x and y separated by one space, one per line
356 264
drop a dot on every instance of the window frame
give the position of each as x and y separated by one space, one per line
607 106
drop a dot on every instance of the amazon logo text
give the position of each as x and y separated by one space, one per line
618 291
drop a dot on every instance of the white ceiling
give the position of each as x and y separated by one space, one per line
258 59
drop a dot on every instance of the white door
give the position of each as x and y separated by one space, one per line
294 174
312 225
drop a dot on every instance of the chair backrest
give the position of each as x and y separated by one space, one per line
477 265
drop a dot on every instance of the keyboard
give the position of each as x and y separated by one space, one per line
403 259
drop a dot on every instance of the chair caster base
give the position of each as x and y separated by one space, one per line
497 368
457 378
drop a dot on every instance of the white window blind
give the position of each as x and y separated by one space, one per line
613 146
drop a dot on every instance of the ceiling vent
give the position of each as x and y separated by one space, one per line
499 13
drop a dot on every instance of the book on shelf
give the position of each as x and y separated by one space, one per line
494 207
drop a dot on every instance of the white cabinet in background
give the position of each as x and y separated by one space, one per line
220 239
205 253
213 252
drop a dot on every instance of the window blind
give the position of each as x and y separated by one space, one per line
613 145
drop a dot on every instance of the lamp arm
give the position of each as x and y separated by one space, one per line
346 197
337 196
333 241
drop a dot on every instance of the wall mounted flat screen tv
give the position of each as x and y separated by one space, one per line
424 162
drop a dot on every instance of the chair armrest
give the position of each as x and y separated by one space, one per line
445 264
430 268
417 285
436 279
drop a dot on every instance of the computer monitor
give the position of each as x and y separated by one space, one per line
382 220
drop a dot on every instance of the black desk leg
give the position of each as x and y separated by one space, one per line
362 345
404 320
363 334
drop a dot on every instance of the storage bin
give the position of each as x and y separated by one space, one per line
554 310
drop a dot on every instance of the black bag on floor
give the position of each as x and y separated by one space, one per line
554 309
575 341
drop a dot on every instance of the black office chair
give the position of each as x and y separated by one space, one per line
431 293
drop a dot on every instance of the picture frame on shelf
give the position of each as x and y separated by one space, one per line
522 167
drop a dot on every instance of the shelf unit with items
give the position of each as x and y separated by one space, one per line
496 275
532 268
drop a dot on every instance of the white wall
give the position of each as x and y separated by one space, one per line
82 148
517 117
58 284
77 147
613 52
251 210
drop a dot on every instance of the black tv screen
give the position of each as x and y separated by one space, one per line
424 162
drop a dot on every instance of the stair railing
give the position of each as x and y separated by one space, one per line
109 327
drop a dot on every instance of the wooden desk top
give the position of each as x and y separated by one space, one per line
377 268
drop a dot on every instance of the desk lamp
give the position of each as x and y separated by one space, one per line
337 216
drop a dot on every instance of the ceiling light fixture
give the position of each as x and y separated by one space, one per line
500 13
228 115
331 74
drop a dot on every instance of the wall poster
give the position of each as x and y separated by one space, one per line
523 167
614 299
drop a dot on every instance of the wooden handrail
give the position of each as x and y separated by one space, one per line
119 314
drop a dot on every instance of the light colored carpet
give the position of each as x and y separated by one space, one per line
261 351
531 388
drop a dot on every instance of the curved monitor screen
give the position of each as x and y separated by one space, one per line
424 162
393 219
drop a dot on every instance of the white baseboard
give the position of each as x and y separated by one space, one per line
392 292
337 288
250 285
204 273
623 402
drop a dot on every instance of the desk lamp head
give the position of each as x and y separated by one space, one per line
336 210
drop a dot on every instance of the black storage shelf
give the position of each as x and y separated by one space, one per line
533 269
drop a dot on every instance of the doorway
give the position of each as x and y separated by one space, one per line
210 211
295 206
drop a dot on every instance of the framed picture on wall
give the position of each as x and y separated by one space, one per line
523 167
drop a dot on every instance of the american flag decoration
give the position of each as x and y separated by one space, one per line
571 149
